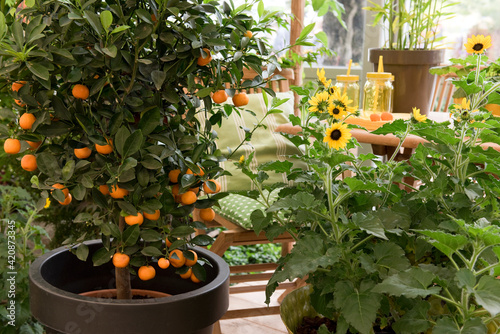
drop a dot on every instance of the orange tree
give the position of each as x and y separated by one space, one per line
112 88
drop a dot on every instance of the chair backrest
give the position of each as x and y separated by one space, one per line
443 92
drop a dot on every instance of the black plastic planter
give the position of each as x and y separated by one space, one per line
56 279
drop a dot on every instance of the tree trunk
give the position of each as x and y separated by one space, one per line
122 275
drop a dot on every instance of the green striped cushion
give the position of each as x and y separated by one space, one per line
237 208
267 144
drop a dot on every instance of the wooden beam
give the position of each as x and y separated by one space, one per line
296 27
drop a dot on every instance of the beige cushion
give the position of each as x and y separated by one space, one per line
267 144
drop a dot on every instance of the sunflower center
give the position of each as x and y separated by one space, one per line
336 134
478 47
332 90
336 111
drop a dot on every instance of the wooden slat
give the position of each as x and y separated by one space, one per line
250 278
253 312
258 287
255 267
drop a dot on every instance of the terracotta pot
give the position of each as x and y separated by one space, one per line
58 277
111 293
413 84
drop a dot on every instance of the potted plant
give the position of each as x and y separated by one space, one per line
465 70
410 26
107 94
379 258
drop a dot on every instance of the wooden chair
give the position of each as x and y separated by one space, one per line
235 235
443 92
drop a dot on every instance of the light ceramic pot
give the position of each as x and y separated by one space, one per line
295 306
58 277
413 84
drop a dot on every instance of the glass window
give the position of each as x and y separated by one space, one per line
478 17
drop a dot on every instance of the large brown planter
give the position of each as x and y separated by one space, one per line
413 84
58 277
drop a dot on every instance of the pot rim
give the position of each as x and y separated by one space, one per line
219 264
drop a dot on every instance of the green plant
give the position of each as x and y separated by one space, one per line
476 75
411 24
126 79
20 243
379 256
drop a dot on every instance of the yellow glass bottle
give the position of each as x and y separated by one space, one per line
349 84
378 91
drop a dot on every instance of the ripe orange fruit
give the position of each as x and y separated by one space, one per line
12 146
207 214
248 34
146 273
153 216
202 61
219 96
163 263
187 274
20 103
104 149
104 189
201 173
16 86
81 92
168 242
374 117
195 190
26 121
67 200
134 219
62 187
188 198
121 260
177 261
173 175
28 162
82 153
192 262
240 99
207 190
194 279
386 116
117 192
34 144
175 193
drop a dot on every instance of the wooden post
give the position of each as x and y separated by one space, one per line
296 27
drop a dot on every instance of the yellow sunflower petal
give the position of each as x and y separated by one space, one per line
477 44
337 136
418 117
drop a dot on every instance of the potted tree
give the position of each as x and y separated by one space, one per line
107 94
411 48
379 258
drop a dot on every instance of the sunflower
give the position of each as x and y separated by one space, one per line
343 101
417 116
477 44
320 102
322 77
337 111
337 136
